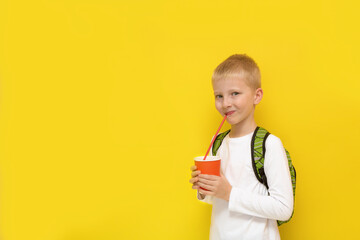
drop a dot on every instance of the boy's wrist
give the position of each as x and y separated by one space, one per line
201 196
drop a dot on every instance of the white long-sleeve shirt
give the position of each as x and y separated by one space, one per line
252 210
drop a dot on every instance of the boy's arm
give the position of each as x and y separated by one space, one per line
278 204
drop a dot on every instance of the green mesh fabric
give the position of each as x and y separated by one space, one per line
293 181
219 138
258 149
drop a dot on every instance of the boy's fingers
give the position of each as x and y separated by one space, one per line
206 186
204 192
195 186
192 168
194 174
208 177
193 180
205 181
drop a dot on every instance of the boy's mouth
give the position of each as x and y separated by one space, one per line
229 113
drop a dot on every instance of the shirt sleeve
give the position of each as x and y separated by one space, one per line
278 204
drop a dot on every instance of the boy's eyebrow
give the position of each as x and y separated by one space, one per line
234 89
230 90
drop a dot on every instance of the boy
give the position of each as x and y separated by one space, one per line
243 208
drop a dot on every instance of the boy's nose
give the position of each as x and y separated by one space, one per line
226 102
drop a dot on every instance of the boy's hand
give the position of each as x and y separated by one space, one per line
194 180
194 177
216 186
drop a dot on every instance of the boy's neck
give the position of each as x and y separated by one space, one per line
242 129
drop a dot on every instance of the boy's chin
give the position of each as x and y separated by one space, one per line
234 121
231 121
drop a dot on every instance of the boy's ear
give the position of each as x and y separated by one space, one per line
258 96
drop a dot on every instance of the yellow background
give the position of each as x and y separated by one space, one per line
105 103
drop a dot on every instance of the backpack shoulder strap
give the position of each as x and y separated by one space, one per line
258 154
218 140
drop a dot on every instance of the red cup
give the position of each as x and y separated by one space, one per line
210 166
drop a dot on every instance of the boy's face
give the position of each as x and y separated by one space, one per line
236 99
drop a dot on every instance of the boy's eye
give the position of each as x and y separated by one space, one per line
218 96
235 93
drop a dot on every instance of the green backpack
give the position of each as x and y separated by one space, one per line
258 156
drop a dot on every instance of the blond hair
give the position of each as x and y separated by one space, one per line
239 65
